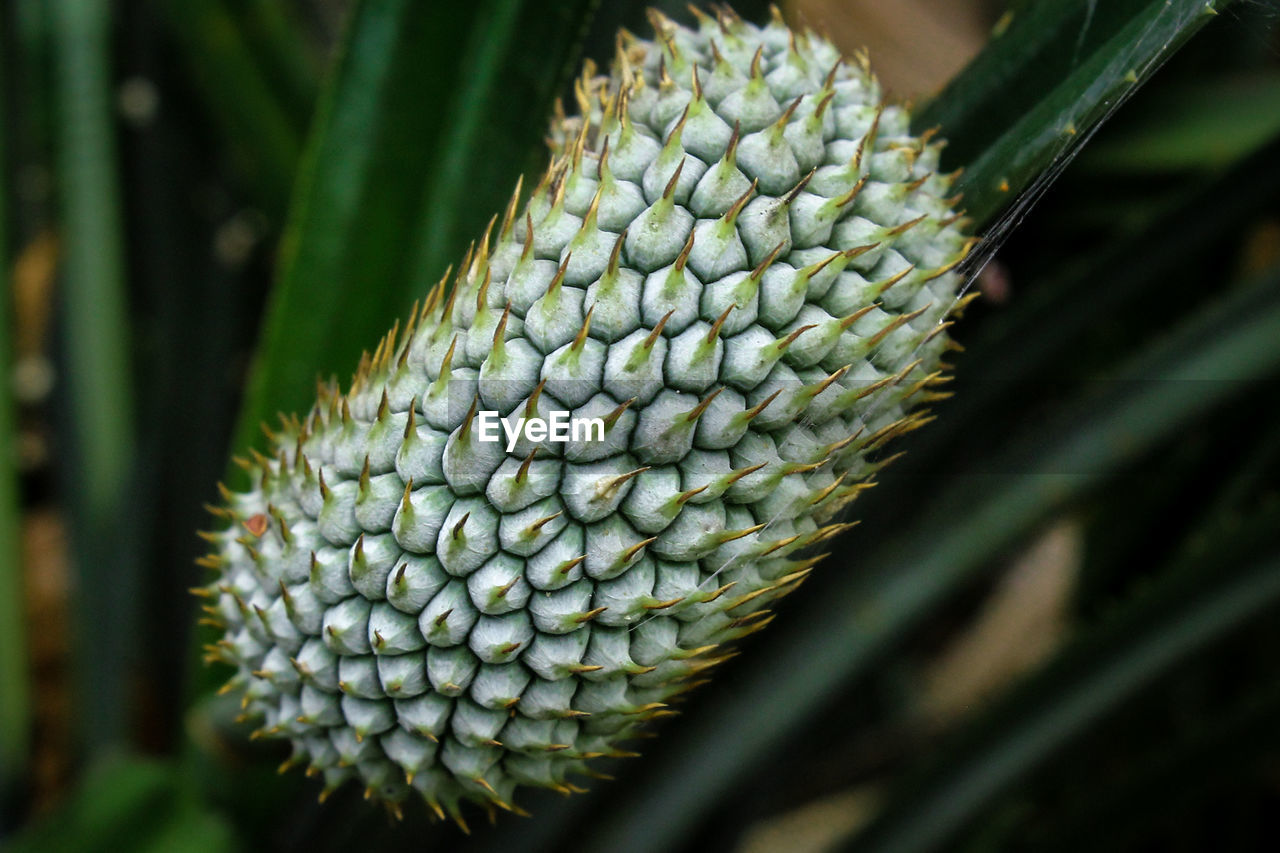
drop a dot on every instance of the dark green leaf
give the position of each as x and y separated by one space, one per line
97 369
398 171
1231 750
1193 607
253 85
1033 47
1037 140
291 61
1043 325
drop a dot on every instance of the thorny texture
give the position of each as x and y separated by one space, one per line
741 260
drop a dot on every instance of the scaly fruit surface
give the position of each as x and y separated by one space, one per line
741 261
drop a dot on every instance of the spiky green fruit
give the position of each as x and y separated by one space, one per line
740 261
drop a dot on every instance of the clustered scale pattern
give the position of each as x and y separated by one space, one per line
742 261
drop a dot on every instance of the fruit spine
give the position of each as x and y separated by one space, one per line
741 262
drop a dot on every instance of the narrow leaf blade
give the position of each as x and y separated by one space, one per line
97 369
1034 149
264 128
1164 627
405 103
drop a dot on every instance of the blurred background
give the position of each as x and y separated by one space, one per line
1054 627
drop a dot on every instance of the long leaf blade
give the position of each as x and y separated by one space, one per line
405 94
264 127
1035 147
1033 47
1023 341
98 373
1155 633
489 138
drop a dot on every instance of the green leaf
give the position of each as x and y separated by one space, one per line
97 364
291 62
1033 47
424 126
1193 607
488 137
1156 765
1040 141
1232 749
1212 357
252 78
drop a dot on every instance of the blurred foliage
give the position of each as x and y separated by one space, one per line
15 700
130 804
245 193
